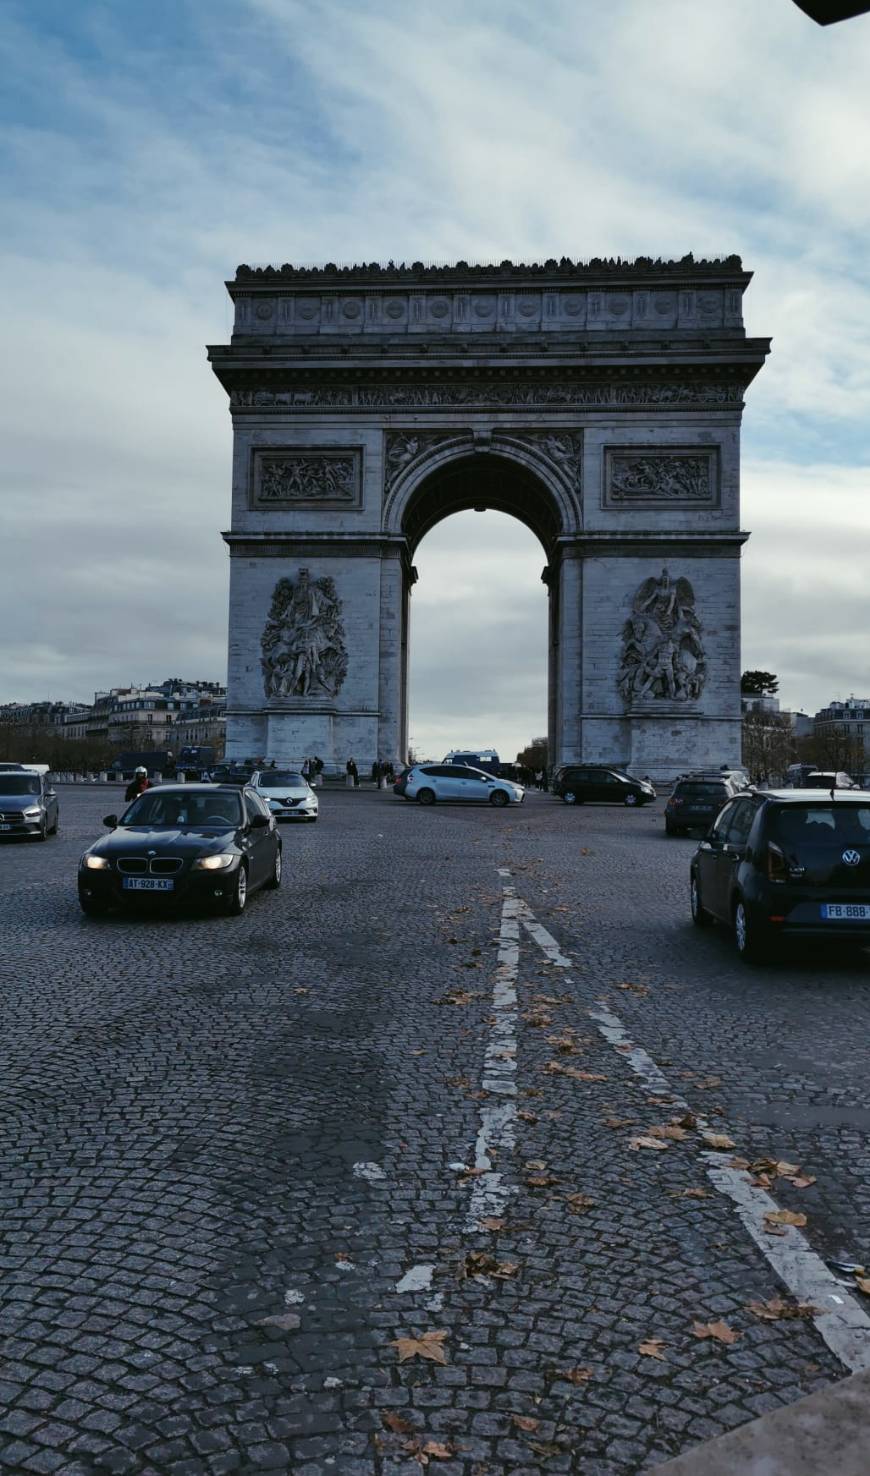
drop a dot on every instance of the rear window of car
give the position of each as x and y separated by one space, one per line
703 791
836 824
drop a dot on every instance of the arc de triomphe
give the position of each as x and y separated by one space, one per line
600 404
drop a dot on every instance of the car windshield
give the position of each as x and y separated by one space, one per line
837 824
281 779
166 811
18 784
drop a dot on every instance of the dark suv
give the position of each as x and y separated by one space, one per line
696 801
578 784
786 863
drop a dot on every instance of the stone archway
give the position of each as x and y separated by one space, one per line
533 479
600 403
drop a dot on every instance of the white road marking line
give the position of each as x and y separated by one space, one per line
497 1129
842 1321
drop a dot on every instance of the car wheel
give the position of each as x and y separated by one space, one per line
426 797
700 916
93 906
56 826
631 799
42 833
750 942
569 797
235 902
498 798
274 881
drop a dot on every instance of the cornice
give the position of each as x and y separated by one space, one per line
376 274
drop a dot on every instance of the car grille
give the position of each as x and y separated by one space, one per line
158 865
289 803
11 817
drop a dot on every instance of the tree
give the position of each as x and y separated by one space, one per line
767 745
758 684
534 755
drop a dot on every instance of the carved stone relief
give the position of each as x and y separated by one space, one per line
653 476
308 478
497 394
562 449
303 650
662 653
403 448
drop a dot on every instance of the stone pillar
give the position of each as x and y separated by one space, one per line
391 658
568 657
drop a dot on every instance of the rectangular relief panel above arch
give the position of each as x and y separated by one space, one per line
323 478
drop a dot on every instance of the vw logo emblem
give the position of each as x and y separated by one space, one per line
851 858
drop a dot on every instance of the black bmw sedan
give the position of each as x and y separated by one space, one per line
183 844
790 863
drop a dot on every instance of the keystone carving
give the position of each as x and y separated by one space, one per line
662 654
303 650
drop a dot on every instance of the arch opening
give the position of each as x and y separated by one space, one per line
482 481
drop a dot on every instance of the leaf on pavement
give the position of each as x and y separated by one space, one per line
719 1141
427 1345
619 1122
395 1423
689 1193
802 1181
667 1130
565 1045
863 1284
577 1075
718 1330
777 1310
534 1164
492 1222
576 1375
635 1143
784 1217
537 1018
480 1263
652 1348
525 1422
578 1204
640 989
541 1181
457 997
708 1082
525 1116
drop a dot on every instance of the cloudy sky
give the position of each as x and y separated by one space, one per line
152 147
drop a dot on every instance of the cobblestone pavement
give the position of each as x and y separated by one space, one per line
244 1159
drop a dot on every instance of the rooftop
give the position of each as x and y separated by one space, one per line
565 269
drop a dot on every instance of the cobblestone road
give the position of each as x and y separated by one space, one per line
244 1159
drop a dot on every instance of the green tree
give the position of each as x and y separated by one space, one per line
759 684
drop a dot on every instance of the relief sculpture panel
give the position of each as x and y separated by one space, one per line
306 478
303 650
662 652
650 476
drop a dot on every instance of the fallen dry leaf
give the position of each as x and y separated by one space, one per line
395 1423
457 997
525 1422
576 1375
525 1116
863 1284
534 1164
718 1330
480 1263
640 989
652 1348
545 1448
541 1181
718 1141
492 1222
802 1181
784 1217
776 1310
619 1122
427 1345
635 1143
667 1130
709 1081
577 1075
578 1203
689 1193
301 990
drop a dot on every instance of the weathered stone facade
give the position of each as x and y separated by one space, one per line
598 403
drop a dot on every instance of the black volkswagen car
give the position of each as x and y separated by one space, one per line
786 863
696 800
580 784
183 844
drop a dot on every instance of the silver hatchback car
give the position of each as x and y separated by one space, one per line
429 783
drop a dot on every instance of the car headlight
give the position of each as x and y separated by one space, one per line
214 863
32 812
97 863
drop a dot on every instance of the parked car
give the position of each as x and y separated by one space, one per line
695 801
580 784
827 779
288 795
786 863
182 843
428 783
28 804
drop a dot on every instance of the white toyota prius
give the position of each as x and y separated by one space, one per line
287 793
429 783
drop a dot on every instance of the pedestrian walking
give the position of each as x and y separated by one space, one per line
352 774
138 784
376 771
306 771
545 779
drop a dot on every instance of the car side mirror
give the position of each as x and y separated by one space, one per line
110 820
260 822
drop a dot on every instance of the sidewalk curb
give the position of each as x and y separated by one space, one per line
827 1432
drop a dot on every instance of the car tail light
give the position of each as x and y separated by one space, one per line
674 802
777 871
